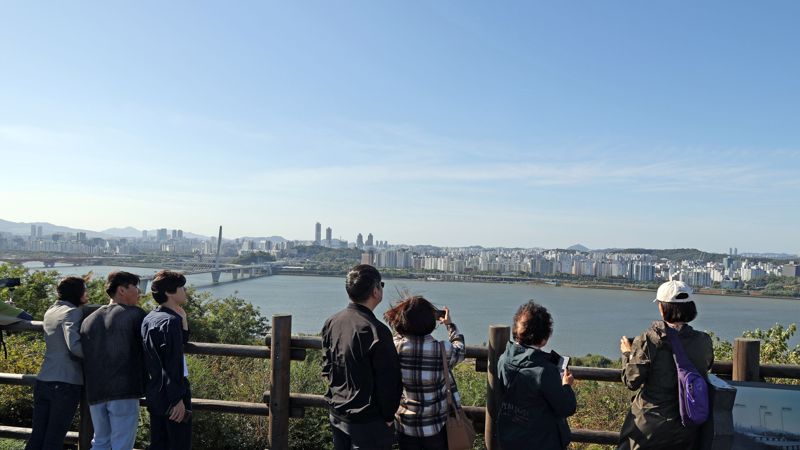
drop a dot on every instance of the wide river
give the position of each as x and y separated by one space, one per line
586 320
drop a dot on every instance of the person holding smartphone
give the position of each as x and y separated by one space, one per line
423 408
536 398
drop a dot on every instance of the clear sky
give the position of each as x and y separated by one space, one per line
520 123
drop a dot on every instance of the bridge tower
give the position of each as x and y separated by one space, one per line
216 272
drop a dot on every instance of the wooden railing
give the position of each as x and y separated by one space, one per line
280 405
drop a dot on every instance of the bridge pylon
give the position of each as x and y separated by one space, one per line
215 275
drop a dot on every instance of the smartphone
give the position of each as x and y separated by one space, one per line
563 363
439 314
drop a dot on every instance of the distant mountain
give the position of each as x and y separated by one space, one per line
262 238
578 247
130 232
127 232
24 229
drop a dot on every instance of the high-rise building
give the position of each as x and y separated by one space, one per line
144 234
39 231
162 234
33 231
317 233
174 234
360 241
180 234
81 237
328 236
791 270
369 240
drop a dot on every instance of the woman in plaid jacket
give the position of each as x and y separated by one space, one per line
423 407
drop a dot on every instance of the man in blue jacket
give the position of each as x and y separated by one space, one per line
164 332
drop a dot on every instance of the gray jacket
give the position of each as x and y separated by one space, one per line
62 359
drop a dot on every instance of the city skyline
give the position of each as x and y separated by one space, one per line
451 124
359 241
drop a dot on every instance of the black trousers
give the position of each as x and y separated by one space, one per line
54 405
362 436
435 442
167 434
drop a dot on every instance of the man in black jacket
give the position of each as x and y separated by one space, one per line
113 364
361 367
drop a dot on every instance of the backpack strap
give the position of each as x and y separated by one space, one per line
677 350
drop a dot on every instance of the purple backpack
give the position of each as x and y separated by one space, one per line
692 385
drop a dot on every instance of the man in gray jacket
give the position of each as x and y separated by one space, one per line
114 364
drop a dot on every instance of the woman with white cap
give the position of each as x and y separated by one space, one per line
654 420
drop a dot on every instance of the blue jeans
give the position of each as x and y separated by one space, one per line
54 405
115 423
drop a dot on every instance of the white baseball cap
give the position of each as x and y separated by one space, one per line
674 292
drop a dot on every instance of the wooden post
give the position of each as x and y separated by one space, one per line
498 338
85 428
280 363
746 356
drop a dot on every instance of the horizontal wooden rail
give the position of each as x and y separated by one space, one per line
25 433
315 342
476 413
242 351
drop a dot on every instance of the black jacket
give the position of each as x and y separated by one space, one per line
113 363
361 366
163 338
535 405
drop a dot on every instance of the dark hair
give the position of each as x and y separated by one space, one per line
166 282
532 324
679 312
412 316
71 290
120 278
360 282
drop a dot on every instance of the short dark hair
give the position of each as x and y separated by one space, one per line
412 316
360 282
532 324
71 290
679 312
119 278
166 281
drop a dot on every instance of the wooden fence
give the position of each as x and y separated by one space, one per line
281 405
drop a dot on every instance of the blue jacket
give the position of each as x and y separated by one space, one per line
163 338
535 405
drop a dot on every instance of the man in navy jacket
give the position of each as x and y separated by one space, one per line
164 332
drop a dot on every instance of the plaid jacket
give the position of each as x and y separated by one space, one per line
423 407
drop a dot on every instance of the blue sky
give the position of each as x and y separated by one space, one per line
612 124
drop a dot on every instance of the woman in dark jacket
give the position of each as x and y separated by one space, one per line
537 398
654 420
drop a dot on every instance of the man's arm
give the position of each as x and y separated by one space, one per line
173 362
386 374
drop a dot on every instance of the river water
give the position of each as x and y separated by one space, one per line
585 320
